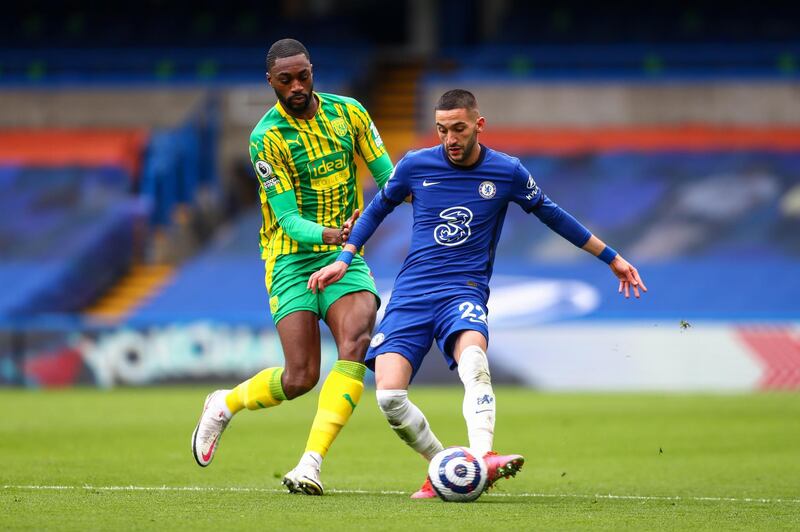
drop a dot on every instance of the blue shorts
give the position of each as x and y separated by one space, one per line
411 323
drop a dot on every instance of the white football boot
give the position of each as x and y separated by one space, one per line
305 477
207 433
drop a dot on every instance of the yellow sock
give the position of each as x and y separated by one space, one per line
260 391
337 400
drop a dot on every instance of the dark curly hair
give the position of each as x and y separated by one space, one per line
285 48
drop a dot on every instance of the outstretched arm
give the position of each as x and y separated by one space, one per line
528 195
568 227
376 211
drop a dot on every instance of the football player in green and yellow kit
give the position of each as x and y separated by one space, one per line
303 152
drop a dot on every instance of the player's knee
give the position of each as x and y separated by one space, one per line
298 382
355 348
473 365
392 403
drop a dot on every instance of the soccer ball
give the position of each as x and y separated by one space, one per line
457 474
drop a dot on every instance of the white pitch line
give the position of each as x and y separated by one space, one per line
608 496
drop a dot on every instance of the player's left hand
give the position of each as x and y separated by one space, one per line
628 277
326 276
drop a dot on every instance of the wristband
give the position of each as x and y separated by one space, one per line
608 254
346 257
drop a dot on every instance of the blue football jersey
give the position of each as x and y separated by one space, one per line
458 215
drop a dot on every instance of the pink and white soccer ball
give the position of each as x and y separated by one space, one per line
458 475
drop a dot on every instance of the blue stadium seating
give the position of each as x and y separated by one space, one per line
66 235
224 283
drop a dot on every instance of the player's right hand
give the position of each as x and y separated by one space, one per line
347 226
339 236
326 276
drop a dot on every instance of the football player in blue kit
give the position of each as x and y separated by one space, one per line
460 193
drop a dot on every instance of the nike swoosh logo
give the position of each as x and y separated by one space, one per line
207 456
427 183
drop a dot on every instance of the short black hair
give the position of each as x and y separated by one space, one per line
285 48
457 99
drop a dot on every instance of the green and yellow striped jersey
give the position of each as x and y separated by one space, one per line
315 159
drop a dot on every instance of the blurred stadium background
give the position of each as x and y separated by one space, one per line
129 219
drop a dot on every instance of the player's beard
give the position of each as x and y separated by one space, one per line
466 149
298 108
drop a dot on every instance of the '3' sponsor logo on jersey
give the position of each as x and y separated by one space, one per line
456 228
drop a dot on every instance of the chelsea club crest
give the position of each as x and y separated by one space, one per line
487 189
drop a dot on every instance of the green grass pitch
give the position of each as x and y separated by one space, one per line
118 460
